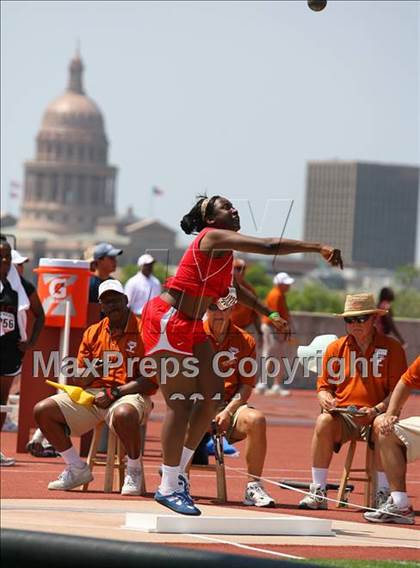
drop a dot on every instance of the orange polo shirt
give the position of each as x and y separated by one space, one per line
412 376
356 389
276 302
242 316
97 339
241 345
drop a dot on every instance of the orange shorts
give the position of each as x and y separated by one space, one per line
167 329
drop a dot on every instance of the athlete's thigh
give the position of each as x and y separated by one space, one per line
210 383
173 378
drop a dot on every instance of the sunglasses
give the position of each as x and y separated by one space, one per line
357 319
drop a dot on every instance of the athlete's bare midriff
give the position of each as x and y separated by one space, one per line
193 307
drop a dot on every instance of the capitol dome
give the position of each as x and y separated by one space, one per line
69 184
72 126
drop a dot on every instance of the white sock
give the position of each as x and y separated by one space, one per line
400 499
72 458
319 476
170 481
185 458
38 436
382 480
133 463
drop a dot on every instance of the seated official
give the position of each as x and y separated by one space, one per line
398 442
360 369
235 418
121 400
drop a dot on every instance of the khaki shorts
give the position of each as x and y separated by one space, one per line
80 419
408 431
351 431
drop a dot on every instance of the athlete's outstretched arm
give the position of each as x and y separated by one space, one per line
247 298
229 240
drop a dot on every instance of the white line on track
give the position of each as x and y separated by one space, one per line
244 546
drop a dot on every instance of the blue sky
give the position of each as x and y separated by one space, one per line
232 97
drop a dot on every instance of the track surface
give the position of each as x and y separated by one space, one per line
290 425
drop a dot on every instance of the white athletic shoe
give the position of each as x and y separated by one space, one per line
132 482
72 477
260 388
256 495
277 390
6 462
316 498
381 497
390 513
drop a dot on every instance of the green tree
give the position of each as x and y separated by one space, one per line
407 274
407 303
257 276
315 298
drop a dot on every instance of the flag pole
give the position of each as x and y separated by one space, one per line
151 203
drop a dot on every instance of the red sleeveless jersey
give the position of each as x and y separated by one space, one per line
201 274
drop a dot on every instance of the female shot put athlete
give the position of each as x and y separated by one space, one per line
173 328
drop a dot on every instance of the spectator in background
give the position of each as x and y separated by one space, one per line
143 286
15 301
399 443
19 262
385 324
366 385
275 344
235 417
122 395
105 258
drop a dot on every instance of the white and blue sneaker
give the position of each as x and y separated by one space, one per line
178 501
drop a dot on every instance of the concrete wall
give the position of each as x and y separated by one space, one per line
308 325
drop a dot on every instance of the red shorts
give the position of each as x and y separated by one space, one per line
167 329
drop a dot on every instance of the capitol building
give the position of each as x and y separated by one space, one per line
69 201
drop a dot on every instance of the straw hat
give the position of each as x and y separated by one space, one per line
359 305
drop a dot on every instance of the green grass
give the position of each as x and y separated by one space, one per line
348 563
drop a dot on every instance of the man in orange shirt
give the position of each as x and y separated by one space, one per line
109 368
275 344
235 361
399 443
359 370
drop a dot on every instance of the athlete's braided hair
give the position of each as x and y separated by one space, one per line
195 220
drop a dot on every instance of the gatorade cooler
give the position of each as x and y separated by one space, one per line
60 280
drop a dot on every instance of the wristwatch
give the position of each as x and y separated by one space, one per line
116 393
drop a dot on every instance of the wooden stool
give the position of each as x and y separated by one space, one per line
369 479
220 479
114 460
218 467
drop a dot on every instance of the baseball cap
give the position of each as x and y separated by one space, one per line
105 249
145 259
17 258
110 285
283 278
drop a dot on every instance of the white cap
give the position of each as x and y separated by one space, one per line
283 278
145 259
17 258
110 285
